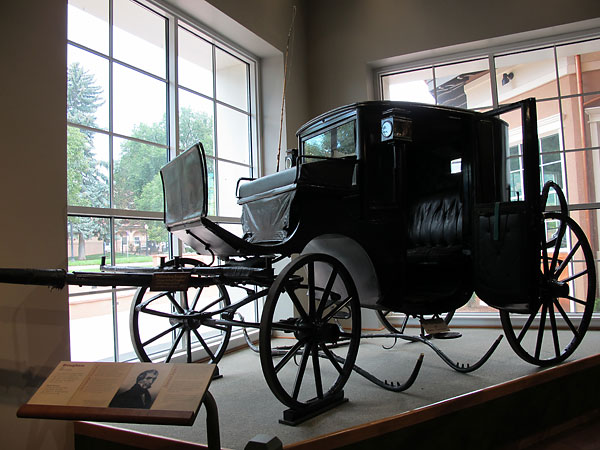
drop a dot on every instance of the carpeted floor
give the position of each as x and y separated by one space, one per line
247 407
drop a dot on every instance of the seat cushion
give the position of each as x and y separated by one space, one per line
267 184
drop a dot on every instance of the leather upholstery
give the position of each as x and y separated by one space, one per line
435 228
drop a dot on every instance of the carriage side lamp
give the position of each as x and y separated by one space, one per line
394 126
291 158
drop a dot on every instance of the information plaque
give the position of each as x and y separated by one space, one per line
168 394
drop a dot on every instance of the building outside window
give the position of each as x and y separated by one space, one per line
564 77
143 86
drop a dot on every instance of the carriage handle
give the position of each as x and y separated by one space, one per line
237 186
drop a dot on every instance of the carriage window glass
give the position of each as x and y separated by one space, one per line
127 116
336 143
456 165
515 173
319 145
345 140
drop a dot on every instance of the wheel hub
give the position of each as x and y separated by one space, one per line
555 288
187 323
320 332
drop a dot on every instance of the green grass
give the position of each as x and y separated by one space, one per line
94 260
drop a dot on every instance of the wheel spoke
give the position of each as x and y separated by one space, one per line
211 304
197 297
561 233
174 303
331 357
577 275
154 312
327 292
174 346
568 258
311 290
566 318
576 300
158 336
554 331
335 310
540 336
317 371
297 303
143 304
204 344
301 370
526 326
289 355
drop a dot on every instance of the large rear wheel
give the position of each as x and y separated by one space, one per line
310 331
552 332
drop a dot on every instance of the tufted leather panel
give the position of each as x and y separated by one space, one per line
435 228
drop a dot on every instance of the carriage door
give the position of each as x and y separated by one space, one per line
506 225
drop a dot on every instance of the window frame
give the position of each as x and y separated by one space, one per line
173 20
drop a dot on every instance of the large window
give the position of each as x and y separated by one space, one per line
563 74
143 85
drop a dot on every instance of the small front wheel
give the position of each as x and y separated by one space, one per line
165 324
310 331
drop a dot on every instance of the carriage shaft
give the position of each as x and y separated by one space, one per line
55 278
171 280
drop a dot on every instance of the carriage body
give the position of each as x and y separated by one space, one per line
421 216
432 203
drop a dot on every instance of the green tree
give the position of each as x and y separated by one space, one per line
87 183
137 182
195 127
84 97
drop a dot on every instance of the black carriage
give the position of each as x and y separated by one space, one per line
396 207
393 206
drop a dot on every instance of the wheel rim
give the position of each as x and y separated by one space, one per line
166 324
549 334
313 366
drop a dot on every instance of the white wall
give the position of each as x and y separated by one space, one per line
345 37
34 326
